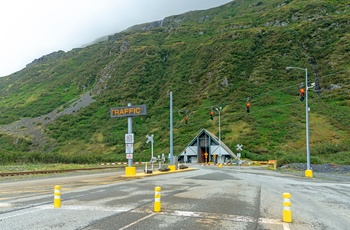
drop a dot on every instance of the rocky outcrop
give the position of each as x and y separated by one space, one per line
48 57
33 129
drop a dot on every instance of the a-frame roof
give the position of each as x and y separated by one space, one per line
216 140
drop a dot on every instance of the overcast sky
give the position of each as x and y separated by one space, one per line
30 29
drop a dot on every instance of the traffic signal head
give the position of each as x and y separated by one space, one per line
248 107
302 94
211 115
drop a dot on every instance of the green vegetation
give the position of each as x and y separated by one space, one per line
218 57
41 167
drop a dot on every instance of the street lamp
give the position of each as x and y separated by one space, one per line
219 110
308 172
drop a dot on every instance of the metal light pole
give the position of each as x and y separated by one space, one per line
130 132
171 160
219 110
308 172
172 163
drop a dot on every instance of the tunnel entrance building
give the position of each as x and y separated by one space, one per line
205 148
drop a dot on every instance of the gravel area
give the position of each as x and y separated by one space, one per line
325 171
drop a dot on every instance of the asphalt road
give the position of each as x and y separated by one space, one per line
207 198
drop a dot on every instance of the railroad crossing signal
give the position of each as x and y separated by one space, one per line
149 138
239 147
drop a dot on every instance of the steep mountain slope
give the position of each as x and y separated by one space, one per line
215 58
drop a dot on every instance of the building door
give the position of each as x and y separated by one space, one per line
204 155
203 148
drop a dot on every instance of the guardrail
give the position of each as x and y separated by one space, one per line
122 163
268 163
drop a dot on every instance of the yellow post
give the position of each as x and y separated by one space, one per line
308 173
57 196
130 171
172 167
157 203
287 211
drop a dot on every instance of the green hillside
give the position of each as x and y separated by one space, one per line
215 58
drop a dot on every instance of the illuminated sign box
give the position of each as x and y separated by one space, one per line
128 111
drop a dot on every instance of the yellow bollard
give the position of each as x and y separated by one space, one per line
172 167
287 211
130 171
308 173
57 197
157 203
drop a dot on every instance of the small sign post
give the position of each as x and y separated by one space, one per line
129 145
129 112
129 138
214 156
150 139
239 149
129 149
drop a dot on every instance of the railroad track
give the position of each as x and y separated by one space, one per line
52 171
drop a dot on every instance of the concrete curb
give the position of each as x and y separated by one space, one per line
156 173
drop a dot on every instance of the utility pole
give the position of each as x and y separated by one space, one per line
171 130
308 171
219 110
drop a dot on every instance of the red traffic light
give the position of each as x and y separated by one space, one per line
248 107
302 94
211 115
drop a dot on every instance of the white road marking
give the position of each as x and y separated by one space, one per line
19 214
139 220
5 205
86 207
219 216
286 226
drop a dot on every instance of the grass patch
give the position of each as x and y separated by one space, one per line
42 167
